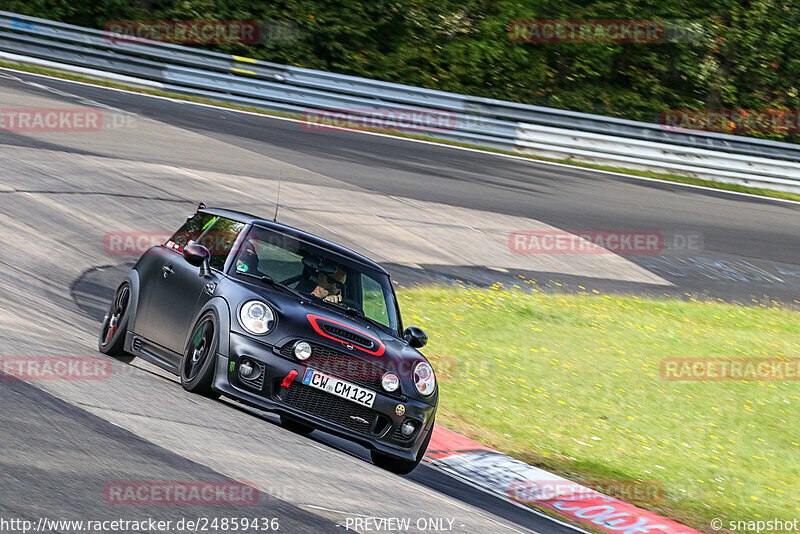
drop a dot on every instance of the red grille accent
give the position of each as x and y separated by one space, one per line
378 348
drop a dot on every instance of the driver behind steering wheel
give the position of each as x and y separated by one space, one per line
330 285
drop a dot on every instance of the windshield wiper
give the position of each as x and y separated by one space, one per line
274 283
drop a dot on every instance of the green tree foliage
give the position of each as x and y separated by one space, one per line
744 54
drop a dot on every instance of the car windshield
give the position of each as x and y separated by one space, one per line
318 272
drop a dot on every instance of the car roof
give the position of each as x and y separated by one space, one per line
294 232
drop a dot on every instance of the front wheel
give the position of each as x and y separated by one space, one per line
115 325
197 364
398 465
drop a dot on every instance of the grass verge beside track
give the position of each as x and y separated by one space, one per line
646 174
573 384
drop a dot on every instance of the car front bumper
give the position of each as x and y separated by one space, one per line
376 428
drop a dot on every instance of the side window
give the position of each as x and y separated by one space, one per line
217 234
374 303
219 238
190 231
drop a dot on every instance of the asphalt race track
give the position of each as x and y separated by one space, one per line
430 213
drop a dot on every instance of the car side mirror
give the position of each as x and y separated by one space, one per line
199 256
415 337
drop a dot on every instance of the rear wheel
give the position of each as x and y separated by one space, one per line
295 426
398 465
197 364
115 325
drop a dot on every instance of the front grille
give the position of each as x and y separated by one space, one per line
341 364
349 335
334 409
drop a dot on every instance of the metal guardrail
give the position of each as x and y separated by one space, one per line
480 121
237 79
712 165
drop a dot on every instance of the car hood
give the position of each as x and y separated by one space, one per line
320 324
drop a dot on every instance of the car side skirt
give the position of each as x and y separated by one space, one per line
149 351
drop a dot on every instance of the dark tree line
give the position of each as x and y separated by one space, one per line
744 54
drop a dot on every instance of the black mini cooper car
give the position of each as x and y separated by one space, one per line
284 321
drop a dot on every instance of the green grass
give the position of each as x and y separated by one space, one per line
572 383
647 174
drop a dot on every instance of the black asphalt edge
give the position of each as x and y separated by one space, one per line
147 448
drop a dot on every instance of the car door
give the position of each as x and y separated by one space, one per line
152 272
173 304
176 295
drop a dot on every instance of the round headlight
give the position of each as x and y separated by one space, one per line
390 382
302 350
424 379
256 317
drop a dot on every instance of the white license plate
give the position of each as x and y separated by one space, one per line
340 388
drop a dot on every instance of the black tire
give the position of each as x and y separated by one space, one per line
115 325
199 358
398 465
296 426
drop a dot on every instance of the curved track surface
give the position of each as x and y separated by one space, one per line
431 213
